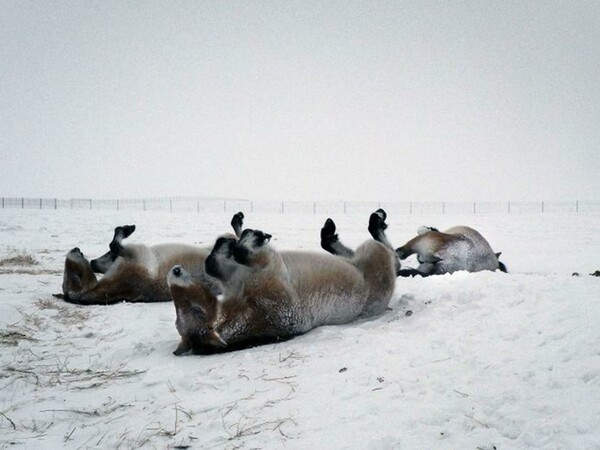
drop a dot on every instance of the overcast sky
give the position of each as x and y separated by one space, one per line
301 100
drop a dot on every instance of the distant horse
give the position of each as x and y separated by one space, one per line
134 272
457 248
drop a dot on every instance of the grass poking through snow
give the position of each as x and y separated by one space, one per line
18 258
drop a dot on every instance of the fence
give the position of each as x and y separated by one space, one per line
199 205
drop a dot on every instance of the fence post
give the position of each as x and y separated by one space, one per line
71 203
197 206
144 204
225 206
170 205
474 207
22 203
542 206
90 203
2 202
576 205
344 206
40 203
117 204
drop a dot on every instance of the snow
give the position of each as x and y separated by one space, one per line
485 360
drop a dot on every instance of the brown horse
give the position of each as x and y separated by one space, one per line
134 272
457 248
273 295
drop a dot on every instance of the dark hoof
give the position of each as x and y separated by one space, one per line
237 221
381 214
124 231
328 230
328 237
377 223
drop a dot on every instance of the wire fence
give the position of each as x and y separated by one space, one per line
205 205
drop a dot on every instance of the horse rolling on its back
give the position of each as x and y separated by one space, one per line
272 294
457 248
133 272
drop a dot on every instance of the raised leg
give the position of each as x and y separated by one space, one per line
377 227
330 241
121 233
102 264
237 222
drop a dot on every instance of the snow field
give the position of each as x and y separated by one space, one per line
485 360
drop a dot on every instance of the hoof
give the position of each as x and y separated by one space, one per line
328 230
124 231
381 213
328 237
377 223
237 221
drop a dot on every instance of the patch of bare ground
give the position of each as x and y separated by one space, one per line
23 263
59 373
32 323
11 338
25 271
66 314
18 258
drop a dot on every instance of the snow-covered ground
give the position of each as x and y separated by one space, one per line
481 361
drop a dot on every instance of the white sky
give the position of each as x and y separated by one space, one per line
301 100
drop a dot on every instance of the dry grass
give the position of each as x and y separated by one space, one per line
28 271
59 374
23 263
67 314
18 259
13 337
249 428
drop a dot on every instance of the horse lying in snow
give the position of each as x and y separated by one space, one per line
270 294
134 272
457 248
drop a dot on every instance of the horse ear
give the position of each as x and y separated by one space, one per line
498 255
